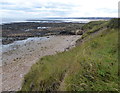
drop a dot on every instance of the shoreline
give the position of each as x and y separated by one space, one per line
20 60
16 44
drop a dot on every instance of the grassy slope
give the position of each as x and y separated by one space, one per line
90 66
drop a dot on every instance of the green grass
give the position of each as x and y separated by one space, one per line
92 24
98 65
92 66
93 27
114 23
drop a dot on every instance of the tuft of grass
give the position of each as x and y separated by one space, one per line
92 66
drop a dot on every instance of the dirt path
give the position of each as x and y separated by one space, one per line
17 62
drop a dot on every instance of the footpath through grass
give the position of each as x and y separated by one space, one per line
92 66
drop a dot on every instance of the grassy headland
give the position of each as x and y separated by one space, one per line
90 66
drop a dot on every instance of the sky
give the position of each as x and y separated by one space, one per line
30 9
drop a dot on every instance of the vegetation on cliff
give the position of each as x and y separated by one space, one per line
90 66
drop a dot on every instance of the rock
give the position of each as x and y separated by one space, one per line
79 32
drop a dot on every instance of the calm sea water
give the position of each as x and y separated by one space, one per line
53 20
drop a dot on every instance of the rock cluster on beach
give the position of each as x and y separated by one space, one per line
19 31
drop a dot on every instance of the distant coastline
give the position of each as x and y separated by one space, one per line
56 20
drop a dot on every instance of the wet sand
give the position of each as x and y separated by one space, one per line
18 60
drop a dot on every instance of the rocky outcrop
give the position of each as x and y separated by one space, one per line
18 31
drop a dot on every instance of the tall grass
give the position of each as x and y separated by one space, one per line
98 65
92 66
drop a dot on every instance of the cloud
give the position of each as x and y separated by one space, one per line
58 8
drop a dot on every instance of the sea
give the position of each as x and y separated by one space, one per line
55 20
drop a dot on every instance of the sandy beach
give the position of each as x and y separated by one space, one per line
17 59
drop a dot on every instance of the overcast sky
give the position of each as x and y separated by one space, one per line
58 8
